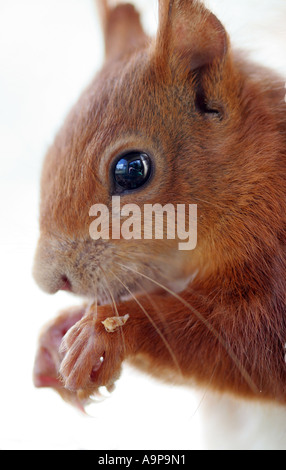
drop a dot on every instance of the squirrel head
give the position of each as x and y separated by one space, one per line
183 102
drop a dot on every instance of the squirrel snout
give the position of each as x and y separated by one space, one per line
65 265
49 269
51 281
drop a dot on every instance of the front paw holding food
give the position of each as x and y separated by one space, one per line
93 352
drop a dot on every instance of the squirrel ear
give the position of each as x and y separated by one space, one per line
189 31
121 27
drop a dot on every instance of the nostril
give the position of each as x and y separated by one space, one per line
51 269
66 284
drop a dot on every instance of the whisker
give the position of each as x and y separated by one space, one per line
201 318
157 310
206 390
213 204
115 307
166 260
95 303
152 323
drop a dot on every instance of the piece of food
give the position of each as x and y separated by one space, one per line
113 323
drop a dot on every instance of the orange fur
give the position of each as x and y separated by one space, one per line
215 126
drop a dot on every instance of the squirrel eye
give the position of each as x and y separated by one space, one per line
132 170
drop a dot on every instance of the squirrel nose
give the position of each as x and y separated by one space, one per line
66 284
51 284
64 265
49 269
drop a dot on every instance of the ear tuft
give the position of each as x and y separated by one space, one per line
122 28
190 32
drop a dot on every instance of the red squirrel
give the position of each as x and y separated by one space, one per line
209 128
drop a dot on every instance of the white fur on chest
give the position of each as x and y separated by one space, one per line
233 424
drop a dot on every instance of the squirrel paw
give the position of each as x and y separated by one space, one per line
49 358
93 357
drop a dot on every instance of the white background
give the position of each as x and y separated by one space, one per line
49 50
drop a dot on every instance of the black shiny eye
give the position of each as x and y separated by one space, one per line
132 170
